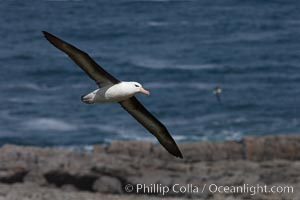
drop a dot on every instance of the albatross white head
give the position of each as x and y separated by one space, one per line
123 91
135 88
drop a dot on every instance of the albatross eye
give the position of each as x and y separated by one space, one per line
136 85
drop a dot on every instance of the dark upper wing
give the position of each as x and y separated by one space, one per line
95 72
141 114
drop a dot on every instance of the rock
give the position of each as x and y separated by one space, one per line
211 151
254 149
98 149
51 173
12 175
131 148
272 147
114 169
177 167
62 178
33 192
108 184
35 176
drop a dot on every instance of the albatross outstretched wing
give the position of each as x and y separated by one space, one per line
95 71
142 115
132 105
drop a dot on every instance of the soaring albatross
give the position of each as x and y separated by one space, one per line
112 90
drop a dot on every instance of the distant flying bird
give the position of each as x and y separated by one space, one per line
217 91
113 90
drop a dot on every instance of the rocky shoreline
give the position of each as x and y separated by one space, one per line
116 171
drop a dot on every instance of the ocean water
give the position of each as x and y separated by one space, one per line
179 50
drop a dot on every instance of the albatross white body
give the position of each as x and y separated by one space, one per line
114 93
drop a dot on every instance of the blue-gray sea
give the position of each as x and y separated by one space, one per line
179 50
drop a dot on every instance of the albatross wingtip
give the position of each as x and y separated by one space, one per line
174 150
45 33
179 155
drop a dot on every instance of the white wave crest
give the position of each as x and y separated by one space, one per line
193 85
156 63
49 124
29 86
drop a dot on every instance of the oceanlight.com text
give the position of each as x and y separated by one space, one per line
211 188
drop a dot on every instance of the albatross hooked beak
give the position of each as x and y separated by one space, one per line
142 90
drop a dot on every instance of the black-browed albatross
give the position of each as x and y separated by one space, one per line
217 91
113 90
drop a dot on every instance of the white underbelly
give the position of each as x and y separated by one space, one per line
109 98
110 94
